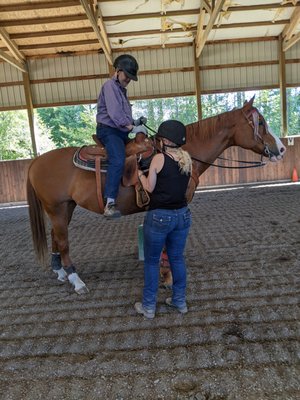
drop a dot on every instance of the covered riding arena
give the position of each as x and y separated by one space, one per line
240 338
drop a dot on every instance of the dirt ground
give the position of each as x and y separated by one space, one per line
240 339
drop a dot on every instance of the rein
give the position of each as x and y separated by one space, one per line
254 164
150 129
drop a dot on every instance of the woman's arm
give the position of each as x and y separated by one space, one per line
156 165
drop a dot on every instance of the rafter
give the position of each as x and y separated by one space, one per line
38 6
289 43
92 19
43 20
204 7
205 4
11 60
202 34
289 29
11 45
288 33
99 19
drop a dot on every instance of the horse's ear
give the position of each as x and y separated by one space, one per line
250 102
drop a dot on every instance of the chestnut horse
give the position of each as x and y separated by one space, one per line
56 186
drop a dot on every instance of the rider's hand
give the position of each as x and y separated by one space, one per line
137 129
140 121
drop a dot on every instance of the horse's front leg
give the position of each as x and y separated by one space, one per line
56 264
61 262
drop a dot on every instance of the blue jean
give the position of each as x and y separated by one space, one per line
114 142
169 228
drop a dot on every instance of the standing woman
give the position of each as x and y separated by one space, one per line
168 220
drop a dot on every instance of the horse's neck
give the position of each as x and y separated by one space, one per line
207 139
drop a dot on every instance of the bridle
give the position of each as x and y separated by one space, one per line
255 123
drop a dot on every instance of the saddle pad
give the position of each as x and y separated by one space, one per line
88 165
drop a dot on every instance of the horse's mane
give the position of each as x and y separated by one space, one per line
206 128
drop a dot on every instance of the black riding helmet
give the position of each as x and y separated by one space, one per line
172 130
128 64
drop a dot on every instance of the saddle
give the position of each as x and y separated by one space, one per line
139 152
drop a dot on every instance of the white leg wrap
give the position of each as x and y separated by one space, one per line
78 284
61 274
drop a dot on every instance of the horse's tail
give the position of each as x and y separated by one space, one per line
37 224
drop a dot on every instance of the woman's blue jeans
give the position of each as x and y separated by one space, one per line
114 142
168 228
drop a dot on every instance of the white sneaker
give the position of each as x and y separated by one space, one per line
182 310
110 211
140 310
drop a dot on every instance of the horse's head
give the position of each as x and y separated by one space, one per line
252 132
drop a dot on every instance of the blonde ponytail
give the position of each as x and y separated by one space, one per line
184 161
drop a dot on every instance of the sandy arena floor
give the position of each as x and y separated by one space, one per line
240 339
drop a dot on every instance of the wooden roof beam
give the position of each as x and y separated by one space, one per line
205 4
99 19
38 6
91 16
202 34
288 33
200 26
11 45
289 29
289 43
49 33
11 60
43 20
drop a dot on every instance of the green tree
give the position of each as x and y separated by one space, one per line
69 126
159 110
15 139
268 103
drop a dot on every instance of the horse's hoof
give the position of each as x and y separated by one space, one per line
61 275
79 285
62 279
82 290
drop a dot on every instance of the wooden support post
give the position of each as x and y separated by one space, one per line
198 83
30 112
111 70
282 85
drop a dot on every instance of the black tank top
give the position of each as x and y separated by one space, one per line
170 188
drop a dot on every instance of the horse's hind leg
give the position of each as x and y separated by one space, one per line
56 262
60 217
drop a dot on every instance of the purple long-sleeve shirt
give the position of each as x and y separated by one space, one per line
113 107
